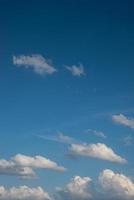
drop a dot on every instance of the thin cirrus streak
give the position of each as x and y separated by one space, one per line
60 138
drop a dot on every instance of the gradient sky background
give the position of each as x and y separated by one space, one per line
97 34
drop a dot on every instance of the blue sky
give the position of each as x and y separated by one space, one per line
83 93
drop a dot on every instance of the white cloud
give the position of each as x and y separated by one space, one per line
77 189
23 193
116 185
122 119
76 70
10 168
99 151
23 166
38 63
108 186
36 162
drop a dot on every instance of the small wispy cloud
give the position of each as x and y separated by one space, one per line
122 119
128 140
60 137
37 63
97 133
76 70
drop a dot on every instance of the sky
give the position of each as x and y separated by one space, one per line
66 100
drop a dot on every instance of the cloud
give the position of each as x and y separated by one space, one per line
99 151
23 166
122 119
10 168
65 139
38 63
23 193
128 140
60 137
97 133
76 70
116 185
36 162
77 189
108 186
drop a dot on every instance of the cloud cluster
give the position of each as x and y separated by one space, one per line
109 186
99 151
38 63
76 70
122 119
23 166
42 66
23 193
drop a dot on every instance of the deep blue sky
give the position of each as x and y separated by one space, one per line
98 34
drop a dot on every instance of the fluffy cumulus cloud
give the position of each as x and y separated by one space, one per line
116 186
99 151
77 189
38 63
76 70
108 186
10 168
23 193
36 162
23 166
122 119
